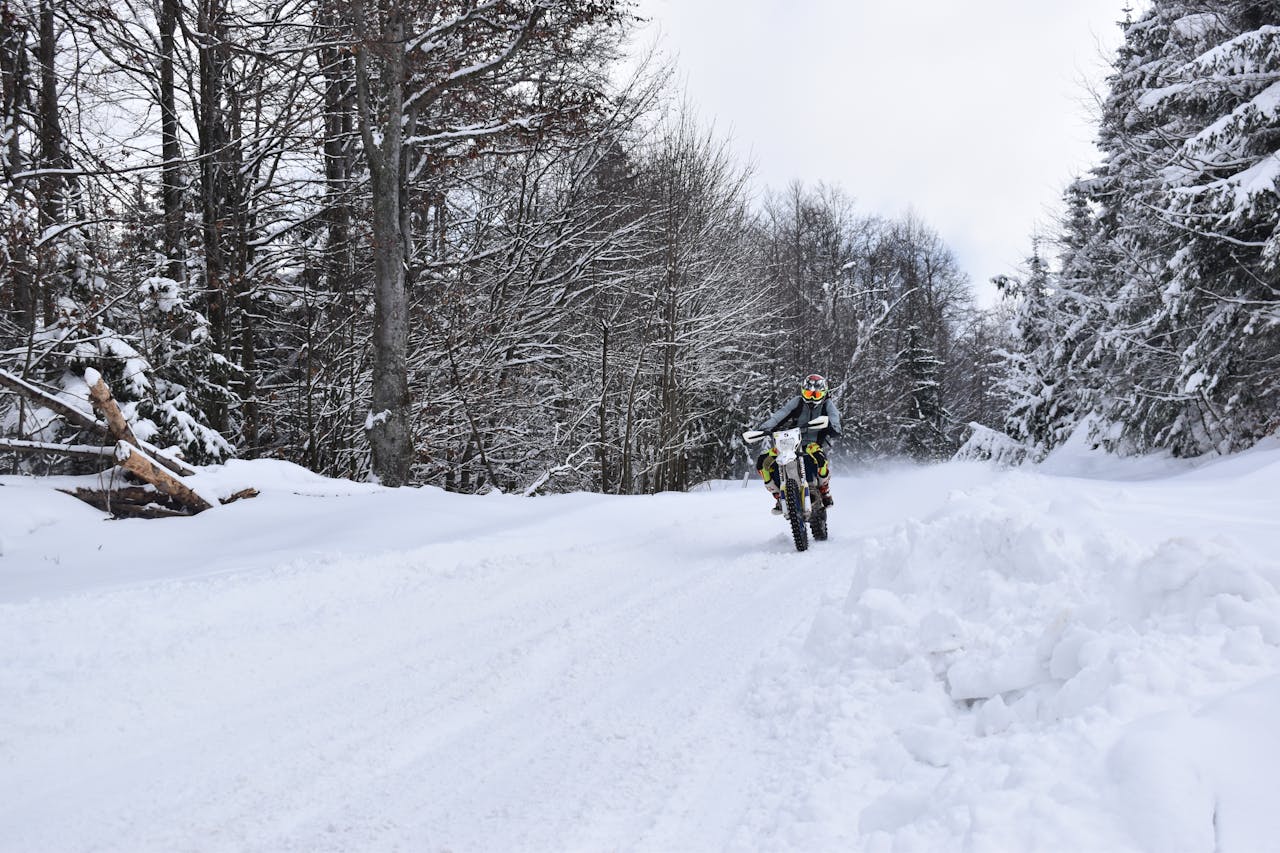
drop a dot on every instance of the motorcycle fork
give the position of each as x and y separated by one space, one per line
795 473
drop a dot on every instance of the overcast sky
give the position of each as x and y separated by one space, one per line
974 114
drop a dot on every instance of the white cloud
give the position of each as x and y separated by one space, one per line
975 115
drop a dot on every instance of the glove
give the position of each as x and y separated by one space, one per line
820 422
751 436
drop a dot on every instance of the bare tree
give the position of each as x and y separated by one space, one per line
450 77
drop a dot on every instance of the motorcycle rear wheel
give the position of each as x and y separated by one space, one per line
818 521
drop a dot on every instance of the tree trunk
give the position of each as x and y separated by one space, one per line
602 451
171 151
388 426
81 451
388 423
51 159
214 185
669 446
26 390
241 256
118 428
14 96
338 76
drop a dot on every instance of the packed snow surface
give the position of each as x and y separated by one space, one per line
1080 656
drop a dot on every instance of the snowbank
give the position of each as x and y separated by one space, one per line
1056 664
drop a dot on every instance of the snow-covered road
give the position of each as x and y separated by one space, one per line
976 660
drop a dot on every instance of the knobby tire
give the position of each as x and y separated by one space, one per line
795 514
818 520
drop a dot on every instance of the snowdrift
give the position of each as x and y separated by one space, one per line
1052 663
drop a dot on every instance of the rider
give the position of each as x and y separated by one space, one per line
812 402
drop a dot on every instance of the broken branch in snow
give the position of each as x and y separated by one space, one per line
149 464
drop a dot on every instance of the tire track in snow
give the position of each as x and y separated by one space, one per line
357 720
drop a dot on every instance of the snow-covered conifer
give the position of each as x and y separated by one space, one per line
1162 319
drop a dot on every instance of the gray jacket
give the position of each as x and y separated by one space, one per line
798 412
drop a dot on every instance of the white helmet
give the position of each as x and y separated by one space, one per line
814 388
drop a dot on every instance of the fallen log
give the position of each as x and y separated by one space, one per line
100 396
142 466
175 465
84 451
75 416
144 461
118 427
18 385
130 494
129 502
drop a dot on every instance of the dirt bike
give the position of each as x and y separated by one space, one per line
798 480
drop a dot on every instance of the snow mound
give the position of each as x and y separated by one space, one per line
1027 646
1049 616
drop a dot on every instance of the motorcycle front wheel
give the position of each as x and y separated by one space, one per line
795 515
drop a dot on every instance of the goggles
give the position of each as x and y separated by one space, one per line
813 393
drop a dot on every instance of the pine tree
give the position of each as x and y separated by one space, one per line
1219 308
1162 320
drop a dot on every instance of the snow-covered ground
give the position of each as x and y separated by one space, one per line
1083 656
